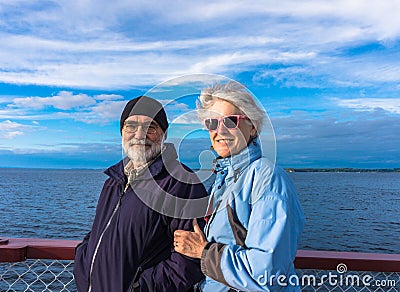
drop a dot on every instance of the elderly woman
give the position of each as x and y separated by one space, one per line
255 218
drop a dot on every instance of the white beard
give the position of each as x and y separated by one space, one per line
139 152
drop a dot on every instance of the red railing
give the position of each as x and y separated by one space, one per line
20 249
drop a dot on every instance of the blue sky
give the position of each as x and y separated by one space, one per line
327 72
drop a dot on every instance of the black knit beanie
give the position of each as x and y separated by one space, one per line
146 106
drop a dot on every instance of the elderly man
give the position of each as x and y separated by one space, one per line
130 245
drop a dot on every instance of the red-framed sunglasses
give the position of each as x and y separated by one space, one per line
230 122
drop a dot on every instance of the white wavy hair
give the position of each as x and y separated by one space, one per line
234 93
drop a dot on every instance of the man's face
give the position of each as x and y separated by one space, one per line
142 139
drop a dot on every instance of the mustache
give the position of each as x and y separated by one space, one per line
135 141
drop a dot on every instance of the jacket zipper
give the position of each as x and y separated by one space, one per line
132 286
102 234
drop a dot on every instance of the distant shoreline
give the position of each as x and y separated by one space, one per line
346 169
50 168
288 169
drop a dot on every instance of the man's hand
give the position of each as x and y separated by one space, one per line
190 243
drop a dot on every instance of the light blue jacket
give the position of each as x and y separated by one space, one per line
255 226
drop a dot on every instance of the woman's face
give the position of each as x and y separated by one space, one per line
226 141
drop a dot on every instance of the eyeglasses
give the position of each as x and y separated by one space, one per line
132 127
230 122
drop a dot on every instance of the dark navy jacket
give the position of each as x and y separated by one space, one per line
130 246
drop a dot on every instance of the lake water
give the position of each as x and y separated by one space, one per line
344 211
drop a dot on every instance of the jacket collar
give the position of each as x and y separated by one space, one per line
240 161
117 171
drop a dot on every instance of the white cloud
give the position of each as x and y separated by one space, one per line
220 62
189 118
102 113
385 71
364 13
11 135
10 130
108 97
342 138
119 49
369 104
64 100
101 109
29 115
9 125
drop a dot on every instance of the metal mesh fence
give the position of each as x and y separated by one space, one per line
37 275
56 275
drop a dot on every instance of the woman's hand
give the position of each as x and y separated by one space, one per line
190 243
